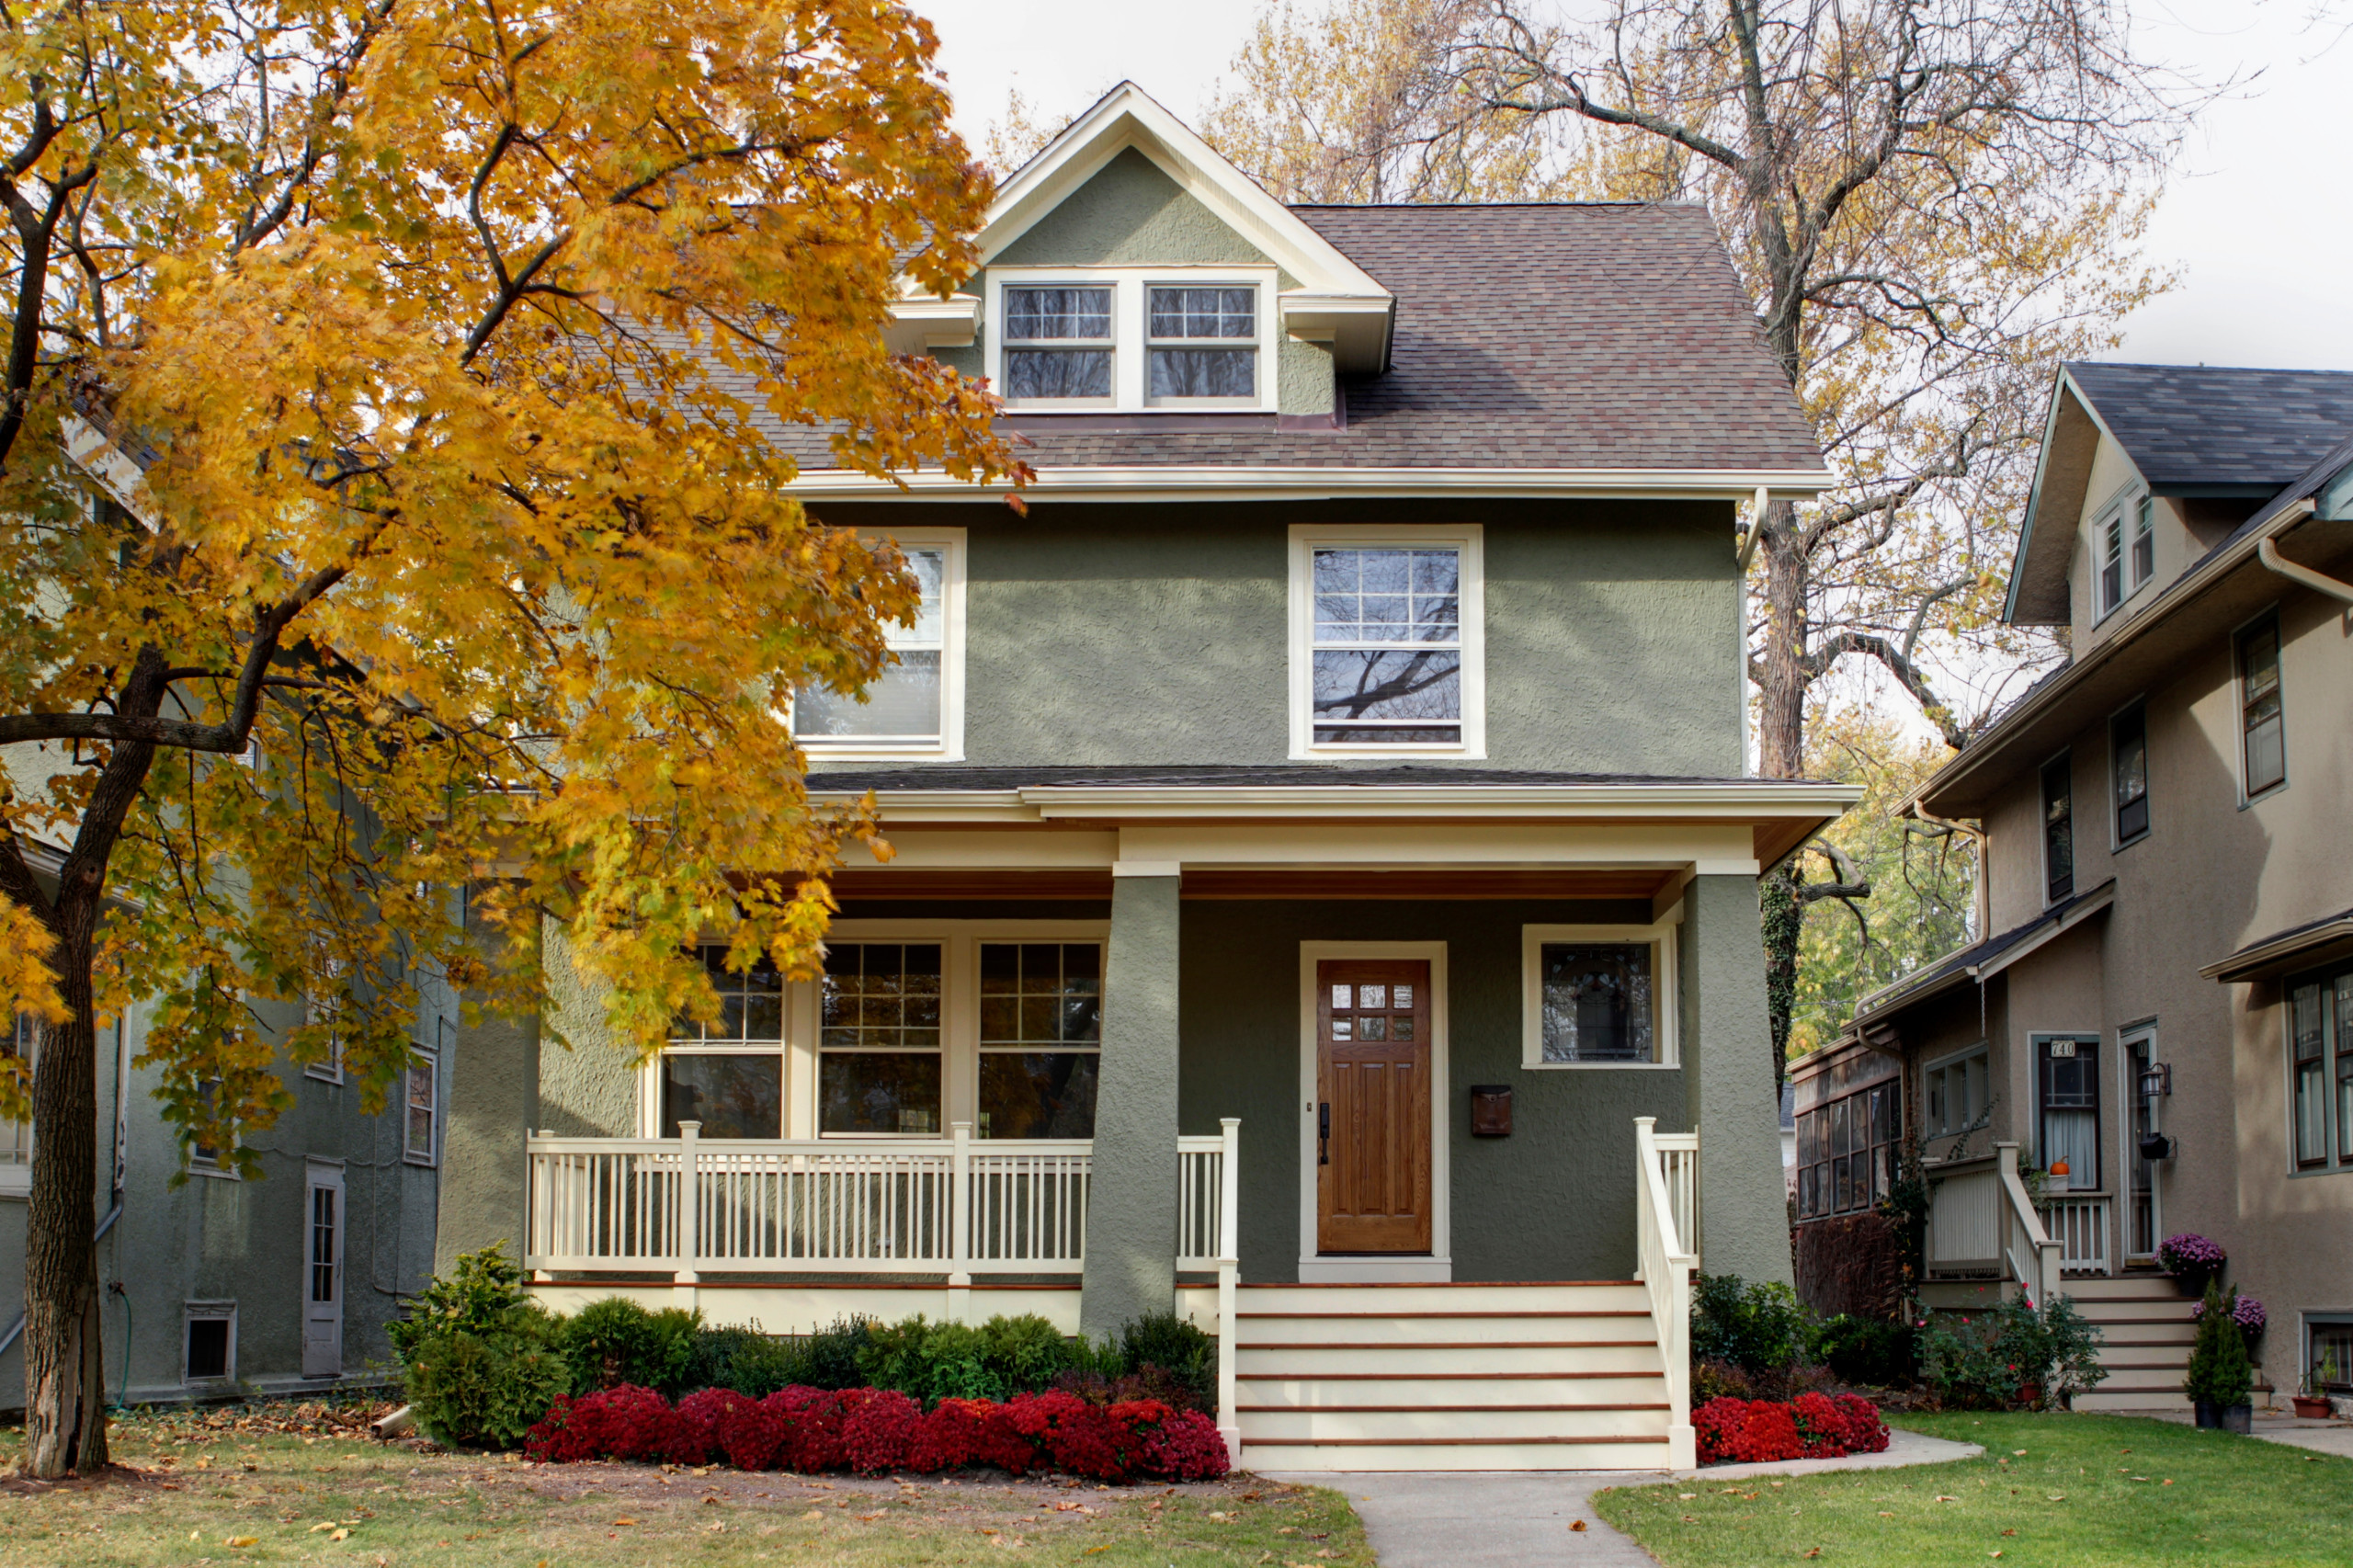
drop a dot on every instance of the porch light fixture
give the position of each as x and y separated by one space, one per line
2157 1080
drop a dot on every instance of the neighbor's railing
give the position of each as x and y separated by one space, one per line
2031 1256
1983 1221
1664 1262
2080 1227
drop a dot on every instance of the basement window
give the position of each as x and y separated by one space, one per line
210 1342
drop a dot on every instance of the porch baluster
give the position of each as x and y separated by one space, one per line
1229 1267
688 1210
960 1224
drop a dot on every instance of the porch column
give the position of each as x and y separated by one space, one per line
1131 1198
1728 1078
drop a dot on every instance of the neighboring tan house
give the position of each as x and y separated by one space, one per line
2164 1000
1325 889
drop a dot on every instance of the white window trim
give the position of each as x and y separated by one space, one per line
1314 1268
2121 512
192 1311
1665 989
949 746
1130 296
16 1176
1982 1048
432 1156
960 1022
1468 539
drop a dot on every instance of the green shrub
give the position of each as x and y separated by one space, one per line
1024 1354
1176 1347
829 1359
754 1364
1761 1328
479 1355
617 1341
1870 1351
930 1361
2219 1371
2015 1354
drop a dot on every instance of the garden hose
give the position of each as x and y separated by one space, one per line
122 1393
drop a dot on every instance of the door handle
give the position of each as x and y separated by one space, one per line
1323 1133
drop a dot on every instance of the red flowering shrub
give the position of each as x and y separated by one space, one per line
1814 1426
879 1432
873 1430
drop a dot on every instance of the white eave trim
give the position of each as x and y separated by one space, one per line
920 324
1196 482
1639 801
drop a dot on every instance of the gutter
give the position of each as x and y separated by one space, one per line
1193 482
2268 553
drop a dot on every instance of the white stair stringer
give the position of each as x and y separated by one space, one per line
1449 1377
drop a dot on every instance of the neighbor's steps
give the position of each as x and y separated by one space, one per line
1449 1377
2145 1333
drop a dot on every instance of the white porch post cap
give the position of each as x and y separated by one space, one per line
1147 868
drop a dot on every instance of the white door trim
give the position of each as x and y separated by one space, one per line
1439 1267
322 1353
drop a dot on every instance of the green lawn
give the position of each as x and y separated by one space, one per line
191 1495
2052 1491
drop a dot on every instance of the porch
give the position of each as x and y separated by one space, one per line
794 1233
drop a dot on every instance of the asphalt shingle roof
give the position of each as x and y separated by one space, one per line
2206 425
1559 336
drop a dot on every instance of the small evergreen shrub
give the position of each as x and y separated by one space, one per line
746 1362
929 1361
1872 1351
1762 1328
1025 1354
617 1341
1174 1344
480 1357
2219 1372
829 1359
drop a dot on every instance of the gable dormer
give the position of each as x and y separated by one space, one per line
2146 468
1130 269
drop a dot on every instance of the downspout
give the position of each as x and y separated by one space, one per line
2268 553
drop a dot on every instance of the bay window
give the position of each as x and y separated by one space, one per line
2320 1072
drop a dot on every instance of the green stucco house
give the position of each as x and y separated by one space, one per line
1325 889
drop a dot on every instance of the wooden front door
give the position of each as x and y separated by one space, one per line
1372 1112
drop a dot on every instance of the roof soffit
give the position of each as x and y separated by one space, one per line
1128 117
2072 435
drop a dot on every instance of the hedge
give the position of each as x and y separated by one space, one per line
1766 1431
874 1430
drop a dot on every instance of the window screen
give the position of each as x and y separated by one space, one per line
1388 651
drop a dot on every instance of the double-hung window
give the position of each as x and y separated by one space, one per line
727 1074
1386 644
2128 749
1058 346
1203 344
2320 1070
2058 829
915 708
2262 726
2145 541
1957 1096
2111 562
1040 1039
421 1130
2124 542
879 1061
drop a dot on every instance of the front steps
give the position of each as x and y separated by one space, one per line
1449 1377
2145 1330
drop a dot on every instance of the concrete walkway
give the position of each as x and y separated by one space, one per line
2323 1437
1526 1518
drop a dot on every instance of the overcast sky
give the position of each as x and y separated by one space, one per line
2258 222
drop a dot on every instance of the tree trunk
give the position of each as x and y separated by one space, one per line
1780 753
65 1405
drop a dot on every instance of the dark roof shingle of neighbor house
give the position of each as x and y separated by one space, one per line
1569 336
2216 424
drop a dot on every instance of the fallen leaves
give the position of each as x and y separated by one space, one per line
240 1539
1578 1525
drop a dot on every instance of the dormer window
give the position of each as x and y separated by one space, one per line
1170 340
2125 543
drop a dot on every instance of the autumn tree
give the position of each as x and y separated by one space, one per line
1932 202
396 501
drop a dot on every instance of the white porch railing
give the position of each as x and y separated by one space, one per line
1984 1219
1666 1257
957 1206
2080 1227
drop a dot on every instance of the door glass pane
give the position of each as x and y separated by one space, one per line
733 1097
323 1244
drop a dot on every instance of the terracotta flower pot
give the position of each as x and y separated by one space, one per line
2312 1407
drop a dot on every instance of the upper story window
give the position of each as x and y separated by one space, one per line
1386 643
1957 1094
2128 749
2125 542
1166 339
915 708
2058 829
2320 1069
2262 726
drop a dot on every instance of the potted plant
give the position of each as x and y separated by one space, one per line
2312 1403
2192 1260
2221 1377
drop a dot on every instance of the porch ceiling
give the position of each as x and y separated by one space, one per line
1302 883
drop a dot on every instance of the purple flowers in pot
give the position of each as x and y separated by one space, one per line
2247 1314
2192 1254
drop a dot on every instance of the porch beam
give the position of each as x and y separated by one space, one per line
1131 1194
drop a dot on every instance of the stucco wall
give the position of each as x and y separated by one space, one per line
588 1085
1160 634
1552 1201
1728 1079
1131 1195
